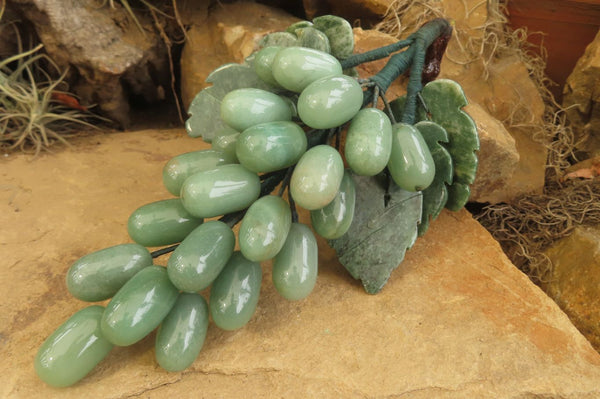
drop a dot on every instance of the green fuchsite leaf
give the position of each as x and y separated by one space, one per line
444 99
436 195
205 109
340 34
281 39
384 227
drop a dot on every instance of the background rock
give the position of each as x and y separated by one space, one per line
581 97
455 320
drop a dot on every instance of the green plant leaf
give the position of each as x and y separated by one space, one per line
436 195
383 228
340 34
205 109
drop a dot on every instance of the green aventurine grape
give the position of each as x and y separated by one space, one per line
243 108
296 67
181 335
334 220
99 275
271 146
313 38
330 102
225 189
139 306
264 228
317 177
73 349
183 166
295 266
234 294
411 164
161 223
369 142
263 62
201 256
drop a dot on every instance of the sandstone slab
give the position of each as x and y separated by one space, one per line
456 320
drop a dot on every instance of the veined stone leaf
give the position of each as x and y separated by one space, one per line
281 39
205 109
313 38
340 34
383 228
436 195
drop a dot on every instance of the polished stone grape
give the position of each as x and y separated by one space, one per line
181 335
183 166
234 294
199 258
225 140
330 102
335 219
161 223
313 38
99 275
271 146
263 62
411 165
369 142
225 189
317 177
139 306
297 67
295 266
243 108
264 228
73 349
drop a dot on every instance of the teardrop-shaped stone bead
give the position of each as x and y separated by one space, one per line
317 177
181 335
183 166
271 146
243 108
73 349
161 223
295 267
335 219
264 228
139 306
263 62
225 189
369 142
99 275
330 102
199 258
225 140
411 164
297 67
234 294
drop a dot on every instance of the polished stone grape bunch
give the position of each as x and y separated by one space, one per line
275 136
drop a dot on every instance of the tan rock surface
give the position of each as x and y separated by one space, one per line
456 320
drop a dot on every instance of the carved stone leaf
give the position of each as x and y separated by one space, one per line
436 195
383 228
205 109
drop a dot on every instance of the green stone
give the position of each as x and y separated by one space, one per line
369 142
411 164
340 34
298 25
271 146
199 258
225 140
181 335
234 294
264 228
312 38
281 39
139 306
317 177
295 267
263 62
297 67
334 220
161 223
243 108
99 275
330 102
73 349
225 189
183 166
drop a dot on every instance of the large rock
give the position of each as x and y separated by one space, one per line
456 320
575 280
581 98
